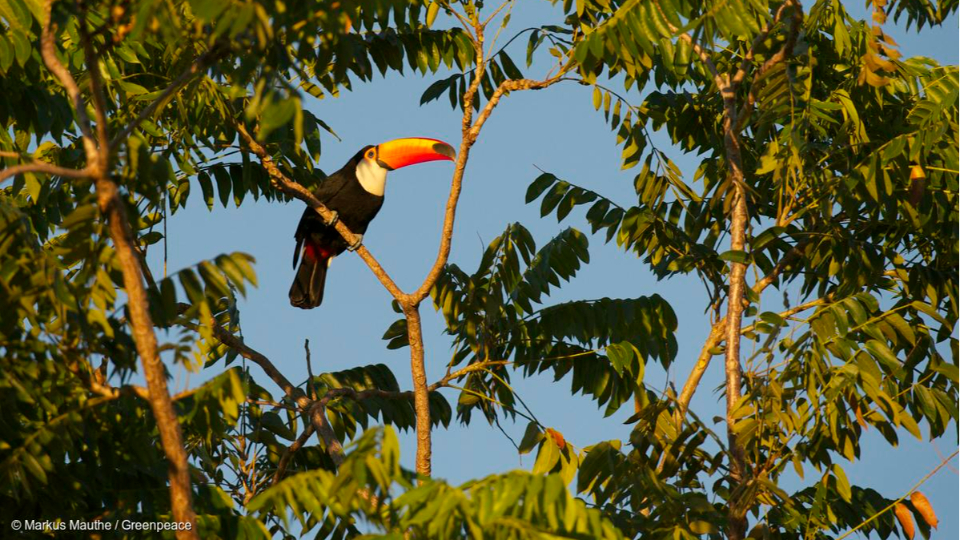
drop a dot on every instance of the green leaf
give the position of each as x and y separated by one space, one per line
734 256
531 437
843 485
547 457
34 467
224 184
511 69
539 185
883 354
272 422
206 186
277 113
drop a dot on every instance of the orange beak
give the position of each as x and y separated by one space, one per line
402 152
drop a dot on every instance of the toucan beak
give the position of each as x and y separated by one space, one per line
402 152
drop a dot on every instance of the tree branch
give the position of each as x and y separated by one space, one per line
45 168
317 419
791 312
421 395
469 138
265 364
111 206
732 323
289 452
716 336
146 342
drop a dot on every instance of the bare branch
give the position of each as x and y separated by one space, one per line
310 387
716 336
334 448
265 364
421 399
494 14
919 483
319 420
479 366
45 168
146 342
469 138
703 362
289 452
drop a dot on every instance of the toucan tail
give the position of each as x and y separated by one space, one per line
307 289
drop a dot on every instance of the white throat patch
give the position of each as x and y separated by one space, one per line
372 177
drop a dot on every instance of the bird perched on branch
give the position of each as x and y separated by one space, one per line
354 194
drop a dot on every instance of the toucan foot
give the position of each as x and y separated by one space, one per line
356 245
333 220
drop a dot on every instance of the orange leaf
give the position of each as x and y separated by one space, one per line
557 438
860 420
905 519
922 505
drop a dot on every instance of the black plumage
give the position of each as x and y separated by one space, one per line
318 242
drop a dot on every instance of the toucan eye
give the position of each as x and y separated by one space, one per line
370 154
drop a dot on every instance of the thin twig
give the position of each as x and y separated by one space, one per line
45 168
289 452
907 494
310 385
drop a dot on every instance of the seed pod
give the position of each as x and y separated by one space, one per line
905 519
922 505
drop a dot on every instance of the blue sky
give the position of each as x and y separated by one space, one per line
556 130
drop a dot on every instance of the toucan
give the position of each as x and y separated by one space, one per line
354 194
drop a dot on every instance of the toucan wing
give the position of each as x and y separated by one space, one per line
311 220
